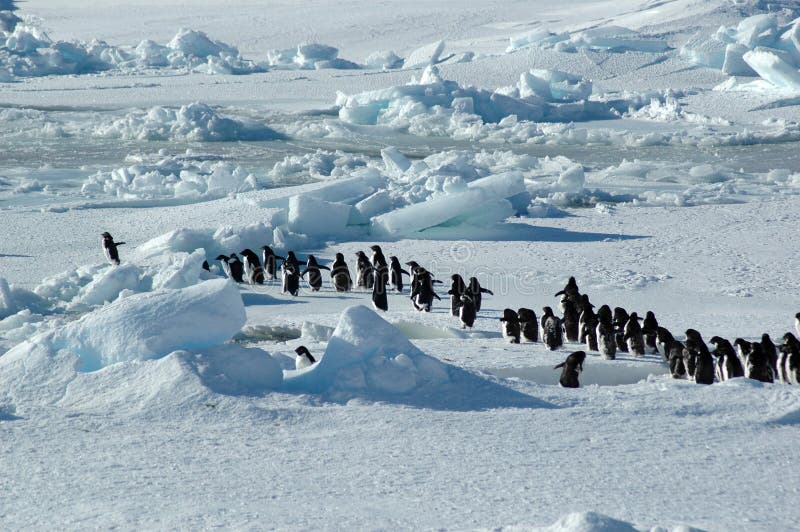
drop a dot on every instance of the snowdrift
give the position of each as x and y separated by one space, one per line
369 358
157 350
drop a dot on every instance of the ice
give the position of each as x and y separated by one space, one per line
28 51
383 60
151 325
170 176
603 38
483 201
317 217
395 162
734 64
319 165
424 55
368 357
309 56
588 522
194 122
775 67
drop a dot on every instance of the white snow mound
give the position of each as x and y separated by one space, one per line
153 324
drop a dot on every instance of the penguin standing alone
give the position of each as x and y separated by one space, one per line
573 366
110 248
304 359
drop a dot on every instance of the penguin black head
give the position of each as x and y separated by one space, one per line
743 345
526 315
692 335
572 282
375 248
246 252
222 258
510 315
585 301
312 260
791 340
394 259
574 361
716 340
663 335
303 351
634 316
107 235
547 311
413 264
233 257
339 257
267 250
456 277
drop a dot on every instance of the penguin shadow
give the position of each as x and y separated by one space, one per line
5 416
517 232
14 256
260 298
557 234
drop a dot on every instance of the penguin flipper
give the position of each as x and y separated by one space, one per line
559 365
437 296
487 291
405 272
561 293
119 243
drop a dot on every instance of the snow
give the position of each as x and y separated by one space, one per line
648 149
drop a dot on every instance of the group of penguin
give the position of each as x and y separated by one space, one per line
603 331
375 274
607 333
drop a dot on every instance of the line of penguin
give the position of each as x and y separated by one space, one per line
603 331
607 332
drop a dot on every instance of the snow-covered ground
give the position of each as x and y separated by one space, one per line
647 148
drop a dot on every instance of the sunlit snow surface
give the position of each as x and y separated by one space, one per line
648 149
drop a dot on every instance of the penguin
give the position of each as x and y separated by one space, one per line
110 248
634 336
571 318
270 263
237 268
621 318
728 365
377 258
457 289
588 326
703 362
573 366
413 266
571 292
340 275
692 346
797 323
672 350
206 266
743 350
253 272
510 326
423 293
467 312
396 274
771 352
791 359
649 328
562 304
474 289
226 267
314 274
304 359
551 330
605 334
528 325
379 298
758 366
290 275
365 274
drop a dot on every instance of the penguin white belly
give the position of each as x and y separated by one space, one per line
507 336
301 362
